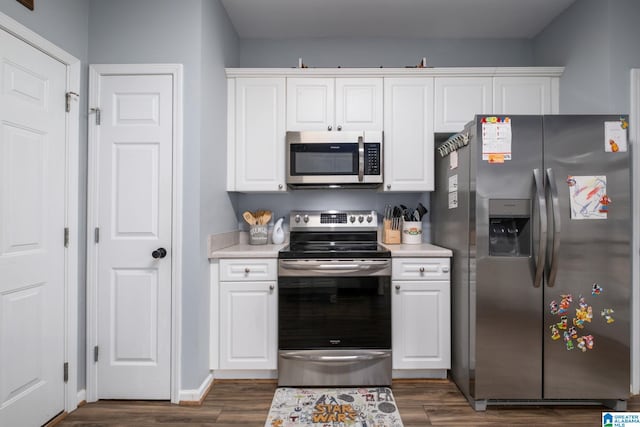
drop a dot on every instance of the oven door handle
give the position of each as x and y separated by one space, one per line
360 159
372 355
328 267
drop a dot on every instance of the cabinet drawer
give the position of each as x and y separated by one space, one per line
420 268
248 269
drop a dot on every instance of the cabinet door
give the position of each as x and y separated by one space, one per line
522 95
260 134
459 99
310 103
248 322
408 134
358 104
421 319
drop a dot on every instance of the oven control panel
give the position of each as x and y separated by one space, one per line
307 220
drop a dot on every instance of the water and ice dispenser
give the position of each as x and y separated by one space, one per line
510 227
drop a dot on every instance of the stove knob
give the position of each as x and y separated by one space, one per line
297 219
352 218
306 218
360 218
369 218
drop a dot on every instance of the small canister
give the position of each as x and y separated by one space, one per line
412 232
258 234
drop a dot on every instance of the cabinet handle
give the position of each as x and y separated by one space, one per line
247 270
397 287
445 269
329 127
339 127
421 269
388 186
279 186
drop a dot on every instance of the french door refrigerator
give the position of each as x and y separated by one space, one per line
537 211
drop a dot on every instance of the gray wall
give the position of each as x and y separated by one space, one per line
65 23
385 52
596 41
195 33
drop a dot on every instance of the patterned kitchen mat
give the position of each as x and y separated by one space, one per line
333 407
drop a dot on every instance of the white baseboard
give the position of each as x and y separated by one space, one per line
196 395
248 374
419 373
82 396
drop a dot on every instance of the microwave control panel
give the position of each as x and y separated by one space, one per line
372 159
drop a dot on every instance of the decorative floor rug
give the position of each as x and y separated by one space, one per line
333 407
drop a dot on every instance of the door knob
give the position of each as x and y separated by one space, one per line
159 253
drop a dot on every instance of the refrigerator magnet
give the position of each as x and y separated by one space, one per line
553 307
555 334
615 137
607 314
596 289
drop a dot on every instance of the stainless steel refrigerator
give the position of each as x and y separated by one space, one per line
537 211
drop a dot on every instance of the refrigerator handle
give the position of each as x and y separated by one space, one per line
542 243
555 206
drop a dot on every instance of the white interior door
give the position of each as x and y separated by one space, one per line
32 221
134 204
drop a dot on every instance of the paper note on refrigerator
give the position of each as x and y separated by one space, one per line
615 137
496 141
588 195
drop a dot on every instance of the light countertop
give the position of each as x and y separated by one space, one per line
426 250
245 250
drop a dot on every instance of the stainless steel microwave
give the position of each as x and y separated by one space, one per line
334 159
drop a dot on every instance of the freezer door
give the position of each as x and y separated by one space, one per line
506 311
589 277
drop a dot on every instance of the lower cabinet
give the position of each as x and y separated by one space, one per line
248 325
421 313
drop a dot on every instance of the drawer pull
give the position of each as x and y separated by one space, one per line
247 270
421 269
271 287
445 269
397 287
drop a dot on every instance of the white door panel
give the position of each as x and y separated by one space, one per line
134 217
32 221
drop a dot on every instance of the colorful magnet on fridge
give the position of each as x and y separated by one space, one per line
571 181
588 340
582 303
596 289
604 202
553 307
582 345
563 323
573 332
623 123
555 334
606 313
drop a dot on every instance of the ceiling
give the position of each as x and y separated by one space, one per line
285 19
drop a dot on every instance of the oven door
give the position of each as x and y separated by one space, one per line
334 304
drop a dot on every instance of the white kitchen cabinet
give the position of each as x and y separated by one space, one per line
325 103
421 314
256 134
248 325
525 95
408 134
459 99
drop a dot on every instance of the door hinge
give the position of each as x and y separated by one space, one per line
67 100
97 113
66 237
96 235
95 353
66 371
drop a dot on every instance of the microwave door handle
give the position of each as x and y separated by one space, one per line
360 159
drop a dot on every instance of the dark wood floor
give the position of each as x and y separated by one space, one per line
246 403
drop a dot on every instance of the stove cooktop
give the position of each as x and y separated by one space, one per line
345 250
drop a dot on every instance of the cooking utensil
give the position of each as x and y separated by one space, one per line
265 217
422 210
249 217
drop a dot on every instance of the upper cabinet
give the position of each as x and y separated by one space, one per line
459 99
349 103
525 95
256 134
408 104
408 134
